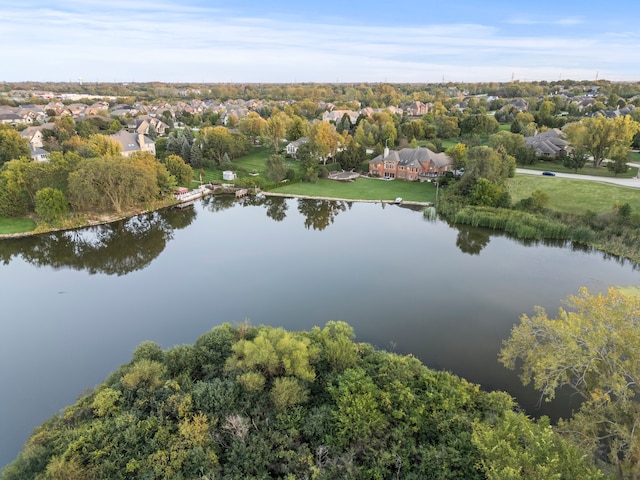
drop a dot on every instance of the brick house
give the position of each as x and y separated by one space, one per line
410 164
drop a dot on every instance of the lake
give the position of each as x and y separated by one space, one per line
76 304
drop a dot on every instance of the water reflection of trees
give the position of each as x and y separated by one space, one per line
114 249
472 240
319 214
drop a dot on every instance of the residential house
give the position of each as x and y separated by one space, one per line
410 164
76 110
292 147
417 108
36 112
550 143
134 142
39 154
34 136
143 123
14 119
336 115
584 103
519 103
619 112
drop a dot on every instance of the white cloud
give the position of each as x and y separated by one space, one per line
545 20
160 41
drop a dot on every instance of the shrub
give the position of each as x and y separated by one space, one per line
51 204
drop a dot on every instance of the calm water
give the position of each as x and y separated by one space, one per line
75 305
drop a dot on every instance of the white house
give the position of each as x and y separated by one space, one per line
292 147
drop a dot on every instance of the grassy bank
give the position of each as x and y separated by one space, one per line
364 189
586 213
588 169
574 196
10 226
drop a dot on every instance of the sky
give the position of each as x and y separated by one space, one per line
282 41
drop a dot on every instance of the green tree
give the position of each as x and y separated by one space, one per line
521 122
275 352
195 156
594 350
215 142
325 139
297 128
458 153
309 163
182 172
98 145
479 124
275 168
489 194
358 414
51 204
576 158
352 156
485 162
513 447
511 142
603 137
113 183
276 129
12 145
64 128
252 126
447 126
618 165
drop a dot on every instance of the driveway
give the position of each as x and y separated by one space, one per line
625 182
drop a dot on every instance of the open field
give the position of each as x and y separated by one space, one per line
364 189
586 170
254 162
16 225
574 196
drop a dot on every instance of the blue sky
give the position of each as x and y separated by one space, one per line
318 41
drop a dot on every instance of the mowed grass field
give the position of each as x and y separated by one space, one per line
16 225
574 196
588 169
364 189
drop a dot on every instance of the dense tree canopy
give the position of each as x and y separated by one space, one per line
593 349
115 183
262 402
12 145
602 137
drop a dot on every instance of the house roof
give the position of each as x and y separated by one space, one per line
548 142
298 142
413 157
129 141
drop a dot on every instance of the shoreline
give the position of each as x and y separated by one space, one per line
106 219
336 199
92 222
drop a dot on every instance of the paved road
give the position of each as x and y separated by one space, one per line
625 182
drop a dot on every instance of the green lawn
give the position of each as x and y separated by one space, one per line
16 225
364 189
244 166
254 161
586 170
574 196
